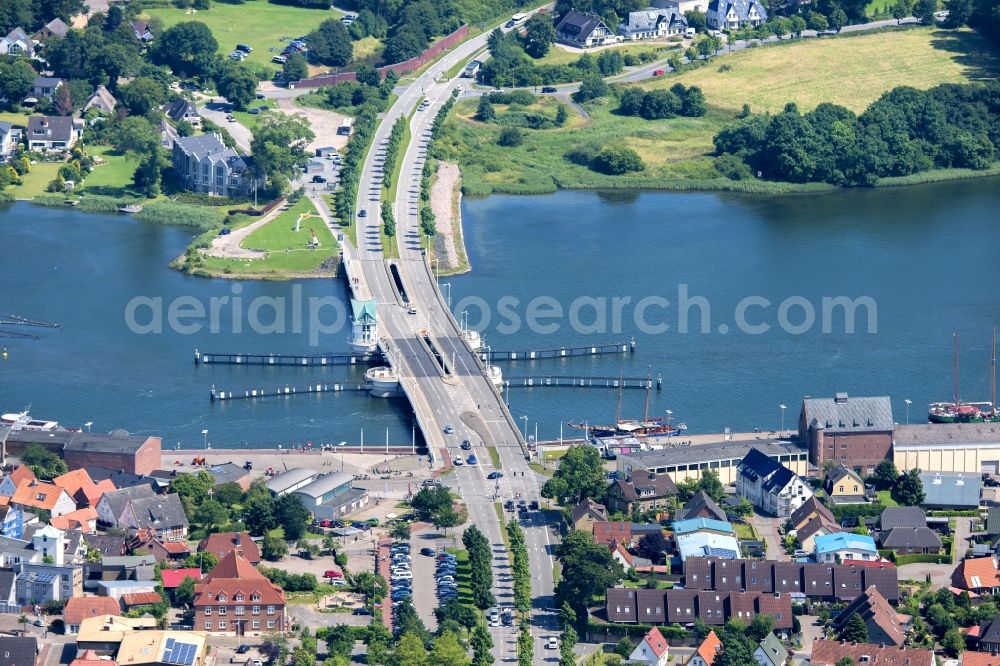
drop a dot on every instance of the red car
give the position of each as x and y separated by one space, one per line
324 523
332 574
659 72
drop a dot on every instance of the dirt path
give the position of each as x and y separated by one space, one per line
230 246
323 123
446 198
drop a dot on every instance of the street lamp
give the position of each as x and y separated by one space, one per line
448 295
525 419
908 403
341 447
88 424
783 408
204 434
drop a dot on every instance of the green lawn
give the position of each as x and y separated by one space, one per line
113 178
850 71
885 498
287 250
18 119
36 181
745 532
249 120
494 456
560 56
259 23
463 570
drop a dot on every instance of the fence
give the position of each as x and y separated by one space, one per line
413 64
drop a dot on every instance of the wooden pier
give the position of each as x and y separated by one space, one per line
563 381
561 352
302 360
285 391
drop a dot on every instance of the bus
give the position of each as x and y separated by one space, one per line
345 127
516 19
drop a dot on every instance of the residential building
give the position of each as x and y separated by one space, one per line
652 23
856 432
641 491
181 109
701 506
291 480
613 531
54 28
770 652
706 652
18 650
17 43
236 599
735 14
204 164
15 552
42 496
885 625
221 544
989 635
128 567
844 547
230 473
652 650
910 540
141 31
980 658
163 515
106 545
826 582
13 481
162 648
8 592
172 578
102 100
769 485
8 140
112 505
134 600
723 458
332 495
78 609
902 516
586 513
36 588
51 133
979 575
122 479
845 486
104 633
817 526
698 537
810 509
626 605
11 521
67 581
993 521
972 448
945 490
583 30
162 549
45 86
682 7
828 653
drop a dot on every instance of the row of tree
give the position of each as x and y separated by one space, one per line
658 104
481 567
434 505
905 131
350 170
519 567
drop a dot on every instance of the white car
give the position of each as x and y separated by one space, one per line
402 575
553 643
458 462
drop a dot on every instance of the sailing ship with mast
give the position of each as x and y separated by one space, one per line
958 411
658 426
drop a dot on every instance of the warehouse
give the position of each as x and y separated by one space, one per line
970 448
687 462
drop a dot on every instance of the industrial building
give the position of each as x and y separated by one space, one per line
971 448
332 496
687 462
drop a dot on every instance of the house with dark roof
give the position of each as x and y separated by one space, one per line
204 164
845 486
52 133
989 635
817 526
909 540
885 625
163 515
17 43
684 605
810 509
583 30
586 513
45 86
770 486
642 491
229 472
163 550
701 506
945 490
993 521
107 545
181 109
902 516
18 650
112 505
613 531
735 14
828 653
54 28
142 32
652 23
856 432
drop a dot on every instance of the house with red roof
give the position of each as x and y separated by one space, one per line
235 599
221 544
91 658
705 654
12 481
652 650
78 609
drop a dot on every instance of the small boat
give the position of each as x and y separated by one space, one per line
23 421
958 411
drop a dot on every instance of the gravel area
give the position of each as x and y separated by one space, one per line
442 193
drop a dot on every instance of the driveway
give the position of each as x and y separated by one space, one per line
767 527
810 632
216 111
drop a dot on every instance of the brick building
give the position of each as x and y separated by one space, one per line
137 454
235 599
856 432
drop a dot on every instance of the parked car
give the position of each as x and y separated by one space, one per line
363 610
494 475
330 573
534 505
318 179
429 552
548 89
458 462
243 649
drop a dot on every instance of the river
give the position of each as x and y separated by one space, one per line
914 264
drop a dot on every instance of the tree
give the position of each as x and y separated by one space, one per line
580 475
817 21
278 146
291 515
295 68
192 487
837 19
900 10
624 647
959 12
525 646
258 513
797 25
188 48
744 508
630 101
446 517
142 95
885 474
696 20
485 111
448 651
760 627
43 463
184 592
924 10
203 560
237 84
541 33
274 548
617 161
63 100
274 647
592 87
211 513
17 79
429 501
737 649
137 135
953 642
228 494
482 643
400 531
909 489
587 569
562 115
653 546
330 44
510 137
410 650
567 641
711 485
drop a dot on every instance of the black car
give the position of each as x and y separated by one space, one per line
318 179
362 213
534 505
363 610
429 552
243 649
548 89
466 445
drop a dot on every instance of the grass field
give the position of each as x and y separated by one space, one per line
36 181
463 571
249 120
560 56
368 48
115 177
851 71
885 498
258 23
18 119
287 250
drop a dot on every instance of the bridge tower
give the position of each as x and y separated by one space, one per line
364 327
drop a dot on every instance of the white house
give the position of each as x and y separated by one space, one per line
8 141
770 652
705 654
769 485
845 547
17 43
584 30
682 6
652 23
652 650
735 14
53 133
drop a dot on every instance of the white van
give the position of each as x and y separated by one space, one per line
689 33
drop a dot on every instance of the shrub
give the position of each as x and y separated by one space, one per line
582 155
732 167
616 161
510 137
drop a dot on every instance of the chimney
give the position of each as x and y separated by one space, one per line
238 538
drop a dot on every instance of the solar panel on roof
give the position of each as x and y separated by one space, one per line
170 643
721 552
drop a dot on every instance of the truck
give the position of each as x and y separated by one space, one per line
345 127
